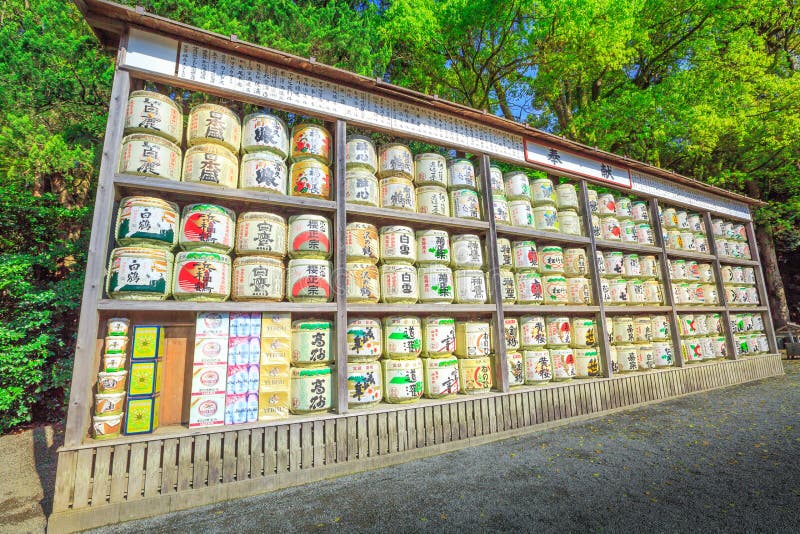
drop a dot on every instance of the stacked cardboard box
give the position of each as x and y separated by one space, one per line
244 355
276 352
144 384
210 370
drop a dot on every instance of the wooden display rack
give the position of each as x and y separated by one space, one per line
103 482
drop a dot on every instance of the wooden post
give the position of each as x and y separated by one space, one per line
80 398
340 266
602 333
493 264
726 314
769 327
667 282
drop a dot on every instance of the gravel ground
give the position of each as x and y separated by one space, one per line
720 461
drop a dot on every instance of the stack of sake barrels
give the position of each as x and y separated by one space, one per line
556 348
431 181
474 348
312 360
731 239
628 279
620 219
109 401
364 371
748 334
739 284
683 230
502 213
702 337
537 203
693 283
402 366
639 343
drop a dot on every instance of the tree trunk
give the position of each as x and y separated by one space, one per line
772 276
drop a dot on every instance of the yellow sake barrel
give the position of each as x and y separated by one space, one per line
263 171
361 242
475 375
311 141
587 363
202 276
402 337
465 204
153 113
361 187
364 384
398 282
538 369
473 339
430 169
563 362
211 164
149 155
403 380
147 222
470 286
362 283
438 336
441 377
309 236
309 280
364 340
310 389
136 273
435 283
311 342
208 228
395 159
262 132
310 178
534 333
397 193
360 154
433 246
461 175
398 244
214 124
433 200
258 278
261 233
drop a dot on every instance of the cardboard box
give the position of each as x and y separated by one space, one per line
276 325
274 376
241 408
212 324
242 379
245 325
145 377
141 415
274 349
211 351
207 410
148 342
209 379
273 404
244 350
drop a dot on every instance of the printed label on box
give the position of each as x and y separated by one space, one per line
212 324
275 375
276 325
148 342
276 350
245 325
241 408
273 405
207 410
244 350
211 351
209 379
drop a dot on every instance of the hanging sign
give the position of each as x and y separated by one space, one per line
558 159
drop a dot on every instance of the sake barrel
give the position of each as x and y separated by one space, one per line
696 222
610 229
310 389
153 113
623 208
674 240
118 326
399 284
554 289
364 384
310 178
258 278
517 186
713 323
430 169
465 204
701 243
149 155
559 331
606 205
529 287
202 276
397 193
545 218
627 231
631 266
605 291
470 286
644 234
642 329
361 187
639 211
587 363
679 270
402 337
441 377
566 197
683 219
627 358
692 350
542 191
461 175
398 244
520 213
473 339
496 180
263 132
563 363
534 332
211 164
433 200
309 280
395 159
435 284
360 154
208 228
669 218
475 375
311 141
579 290
551 260
309 237
403 380
146 222
635 291
526 257
538 369
575 262
438 336
505 253
569 222
433 247
623 329
596 229
500 206
214 124
662 353
653 292
592 199
512 334
364 340
600 262
584 332
263 171
515 365
686 325
467 252
136 273
649 267
688 240
508 286
362 285
646 357
311 342
361 242
261 233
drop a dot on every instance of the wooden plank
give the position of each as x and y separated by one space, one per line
295 451
330 442
363 438
229 457
420 416
550 399
476 416
65 478
169 466
485 417
411 428
307 445
522 410
497 402
200 472
271 449
83 476
402 436
243 455
455 434
340 279
462 420
177 367
352 438
511 411
119 473
214 459
281 448
185 466
446 425
152 478
256 453
101 478
341 440
372 429
392 433
470 418
135 472
319 444
383 433
429 432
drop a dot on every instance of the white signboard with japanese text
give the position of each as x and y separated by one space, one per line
559 159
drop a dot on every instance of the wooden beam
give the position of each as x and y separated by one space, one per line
340 267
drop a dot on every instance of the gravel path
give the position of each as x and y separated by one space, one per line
725 460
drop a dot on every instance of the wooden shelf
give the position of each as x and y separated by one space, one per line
539 235
445 309
737 261
622 310
690 254
424 220
228 306
699 309
189 192
550 309
629 247
747 309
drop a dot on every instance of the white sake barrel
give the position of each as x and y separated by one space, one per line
360 154
619 291
398 244
623 330
501 210
309 280
534 332
623 208
260 233
153 113
692 350
465 204
559 331
395 159
640 211
520 213
470 286
542 191
575 262
361 242
627 358
596 229
208 228
210 123
441 377
627 231
263 171
566 197
538 367
526 257
433 200
517 186
402 337
569 222
505 253
636 294
551 260
473 339
591 198
264 132
362 285
587 363
461 175
511 333
515 365
646 355
398 283
309 236
653 292
403 380
631 266
496 180
467 252
644 234
147 222
563 362
438 336
364 340
136 273
361 187
579 290
211 164
606 205
433 246
642 329
584 332
529 287
600 262
149 155
508 286
311 342
435 284
310 389
662 353
364 384
610 229
202 277
545 218
554 289
397 192
430 169
258 278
